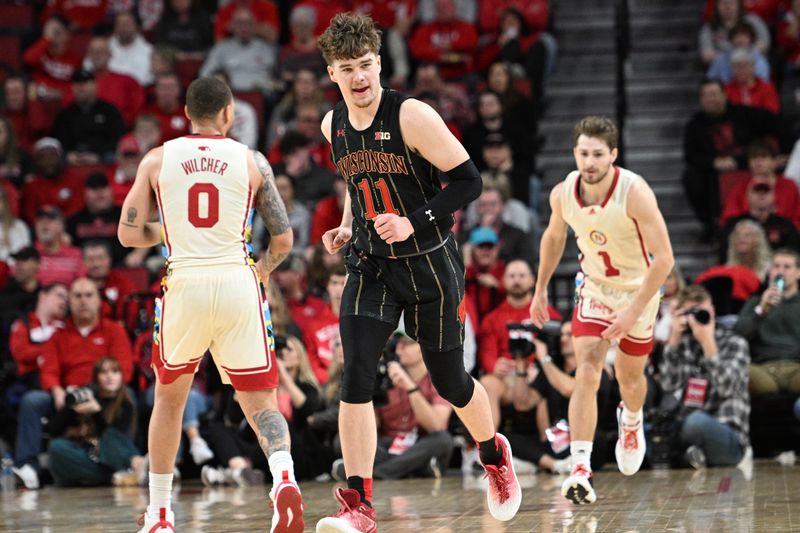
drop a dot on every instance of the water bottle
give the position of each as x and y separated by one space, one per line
7 481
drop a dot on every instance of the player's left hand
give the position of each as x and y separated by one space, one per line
621 324
393 228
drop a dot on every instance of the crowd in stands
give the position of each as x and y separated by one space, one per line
102 83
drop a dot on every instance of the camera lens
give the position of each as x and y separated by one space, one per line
702 316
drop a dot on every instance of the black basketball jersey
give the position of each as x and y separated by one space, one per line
384 176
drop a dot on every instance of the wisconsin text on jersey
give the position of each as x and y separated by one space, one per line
371 161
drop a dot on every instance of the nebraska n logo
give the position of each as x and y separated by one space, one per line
383 136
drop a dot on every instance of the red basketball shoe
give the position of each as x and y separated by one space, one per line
504 494
353 517
288 504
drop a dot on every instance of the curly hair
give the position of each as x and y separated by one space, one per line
349 36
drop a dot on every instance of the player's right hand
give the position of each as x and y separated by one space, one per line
539 309
334 239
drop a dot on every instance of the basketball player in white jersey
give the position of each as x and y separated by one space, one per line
625 258
206 188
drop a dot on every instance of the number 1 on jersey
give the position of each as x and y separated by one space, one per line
369 203
610 270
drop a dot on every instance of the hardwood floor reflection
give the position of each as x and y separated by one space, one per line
675 500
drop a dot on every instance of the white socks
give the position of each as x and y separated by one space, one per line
280 462
160 493
581 453
631 418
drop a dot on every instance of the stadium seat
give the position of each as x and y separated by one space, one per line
9 52
187 70
255 99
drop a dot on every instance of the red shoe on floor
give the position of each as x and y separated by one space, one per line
353 517
504 495
287 503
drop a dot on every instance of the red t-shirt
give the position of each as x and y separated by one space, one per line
745 282
493 333
535 13
173 125
398 417
789 43
305 312
27 341
264 11
64 192
327 215
69 356
485 298
123 91
787 201
64 266
116 288
54 72
318 338
761 94
438 41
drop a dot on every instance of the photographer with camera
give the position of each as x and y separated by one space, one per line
770 323
704 375
495 341
92 434
69 357
548 387
412 425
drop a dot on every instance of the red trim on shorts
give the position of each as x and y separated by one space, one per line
163 219
244 222
260 381
641 242
584 328
632 347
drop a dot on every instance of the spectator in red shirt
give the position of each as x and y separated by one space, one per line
265 12
69 357
121 90
763 162
448 42
52 183
412 435
328 212
30 332
321 333
168 107
789 34
494 354
83 14
61 262
51 62
114 287
304 307
747 89
484 272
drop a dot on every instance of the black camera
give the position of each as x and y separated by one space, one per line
77 396
520 337
380 395
280 344
701 315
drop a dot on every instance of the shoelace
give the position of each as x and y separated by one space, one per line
630 441
497 477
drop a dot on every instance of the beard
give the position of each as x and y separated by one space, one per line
518 292
592 180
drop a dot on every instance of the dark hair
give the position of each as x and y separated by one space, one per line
761 148
292 141
206 97
96 243
349 36
114 409
47 289
716 19
693 294
598 127
742 27
336 270
712 81
790 252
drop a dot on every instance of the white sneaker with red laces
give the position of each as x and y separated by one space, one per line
288 505
164 523
630 445
504 494
578 488
354 516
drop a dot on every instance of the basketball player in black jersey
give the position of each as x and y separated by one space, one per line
401 257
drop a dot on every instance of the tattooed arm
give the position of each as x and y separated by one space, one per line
134 228
272 211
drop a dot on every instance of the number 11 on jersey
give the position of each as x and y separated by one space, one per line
369 202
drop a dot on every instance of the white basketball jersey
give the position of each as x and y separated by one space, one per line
205 201
612 249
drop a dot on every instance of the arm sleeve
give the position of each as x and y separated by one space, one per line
51 369
748 321
22 349
465 186
34 53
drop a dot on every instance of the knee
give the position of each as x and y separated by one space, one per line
58 449
455 387
693 426
35 402
587 377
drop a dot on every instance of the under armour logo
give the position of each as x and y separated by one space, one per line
430 215
383 136
340 133
204 148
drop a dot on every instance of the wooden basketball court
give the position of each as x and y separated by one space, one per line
712 500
